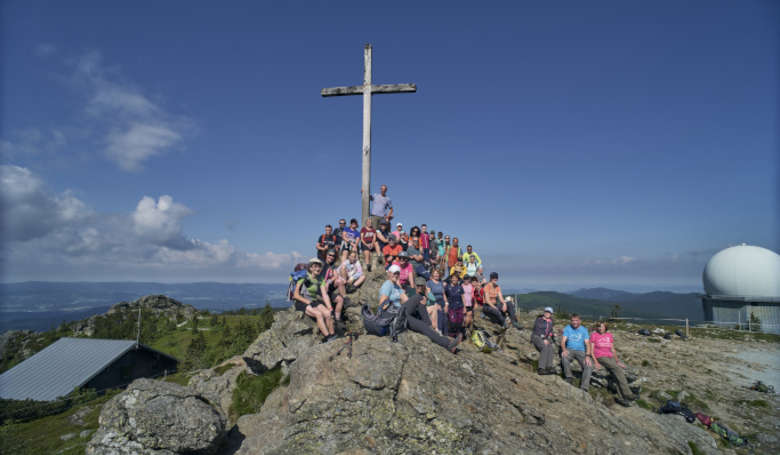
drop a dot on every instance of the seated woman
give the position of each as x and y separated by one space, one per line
543 338
407 272
391 292
417 318
456 312
353 271
472 267
458 269
604 355
311 297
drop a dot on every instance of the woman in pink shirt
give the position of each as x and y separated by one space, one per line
604 355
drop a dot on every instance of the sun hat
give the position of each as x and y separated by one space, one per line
548 310
394 269
419 281
315 261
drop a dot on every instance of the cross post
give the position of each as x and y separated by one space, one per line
367 89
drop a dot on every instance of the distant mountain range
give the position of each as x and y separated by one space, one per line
668 304
37 305
41 306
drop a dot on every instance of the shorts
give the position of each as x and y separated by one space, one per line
362 247
346 246
300 306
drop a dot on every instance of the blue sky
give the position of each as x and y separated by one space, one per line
603 144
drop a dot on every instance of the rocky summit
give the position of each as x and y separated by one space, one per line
413 396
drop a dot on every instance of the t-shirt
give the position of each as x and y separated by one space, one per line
385 234
468 295
392 250
368 235
381 205
442 248
354 271
471 268
392 291
406 272
452 256
437 289
351 234
454 295
328 241
467 256
328 271
413 252
312 285
575 338
602 344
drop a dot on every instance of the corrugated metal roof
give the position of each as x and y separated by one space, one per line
60 367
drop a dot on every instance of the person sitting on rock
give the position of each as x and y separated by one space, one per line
468 303
326 241
350 238
471 267
470 253
542 338
407 272
354 272
335 282
458 269
368 243
311 297
604 355
435 287
496 308
391 292
575 345
418 321
416 257
383 235
421 288
391 251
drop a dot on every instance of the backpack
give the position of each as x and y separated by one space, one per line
391 321
297 273
480 338
671 407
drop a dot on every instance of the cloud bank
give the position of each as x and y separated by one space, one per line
48 236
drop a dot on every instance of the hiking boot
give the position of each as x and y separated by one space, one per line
543 372
454 344
517 325
569 381
622 402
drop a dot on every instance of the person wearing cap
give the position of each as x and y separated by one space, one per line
575 345
496 307
418 320
543 338
311 297
458 269
391 292
391 250
407 272
399 229
381 207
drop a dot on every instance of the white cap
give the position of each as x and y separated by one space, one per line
507 299
394 269
398 224
548 310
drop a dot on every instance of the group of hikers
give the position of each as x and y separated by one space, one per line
437 287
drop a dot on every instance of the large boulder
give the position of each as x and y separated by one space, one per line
158 418
415 397
291 333
217 384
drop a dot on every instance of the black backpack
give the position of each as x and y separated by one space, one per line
391 321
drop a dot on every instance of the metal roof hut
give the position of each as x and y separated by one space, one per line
71 363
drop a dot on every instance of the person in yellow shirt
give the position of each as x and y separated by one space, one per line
458 269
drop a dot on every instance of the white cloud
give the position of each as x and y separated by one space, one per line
48 234
131 147
137 128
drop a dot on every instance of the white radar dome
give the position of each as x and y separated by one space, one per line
743 271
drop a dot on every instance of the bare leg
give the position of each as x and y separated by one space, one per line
315 313
339 306
328 320
367 257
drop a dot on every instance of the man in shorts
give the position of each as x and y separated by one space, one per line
381 206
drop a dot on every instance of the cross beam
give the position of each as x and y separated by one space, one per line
367 89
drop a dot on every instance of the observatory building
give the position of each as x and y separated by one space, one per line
741 281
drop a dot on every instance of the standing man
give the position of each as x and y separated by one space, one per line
382 207
575 344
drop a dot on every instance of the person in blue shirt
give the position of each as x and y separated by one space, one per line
391 292
575 345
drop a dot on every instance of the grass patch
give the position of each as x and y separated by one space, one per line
653 340
644 405
180 378
756 403
221 370
251 391
43 435
693 403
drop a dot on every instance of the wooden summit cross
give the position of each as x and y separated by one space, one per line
367 89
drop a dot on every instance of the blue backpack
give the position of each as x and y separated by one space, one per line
298 273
